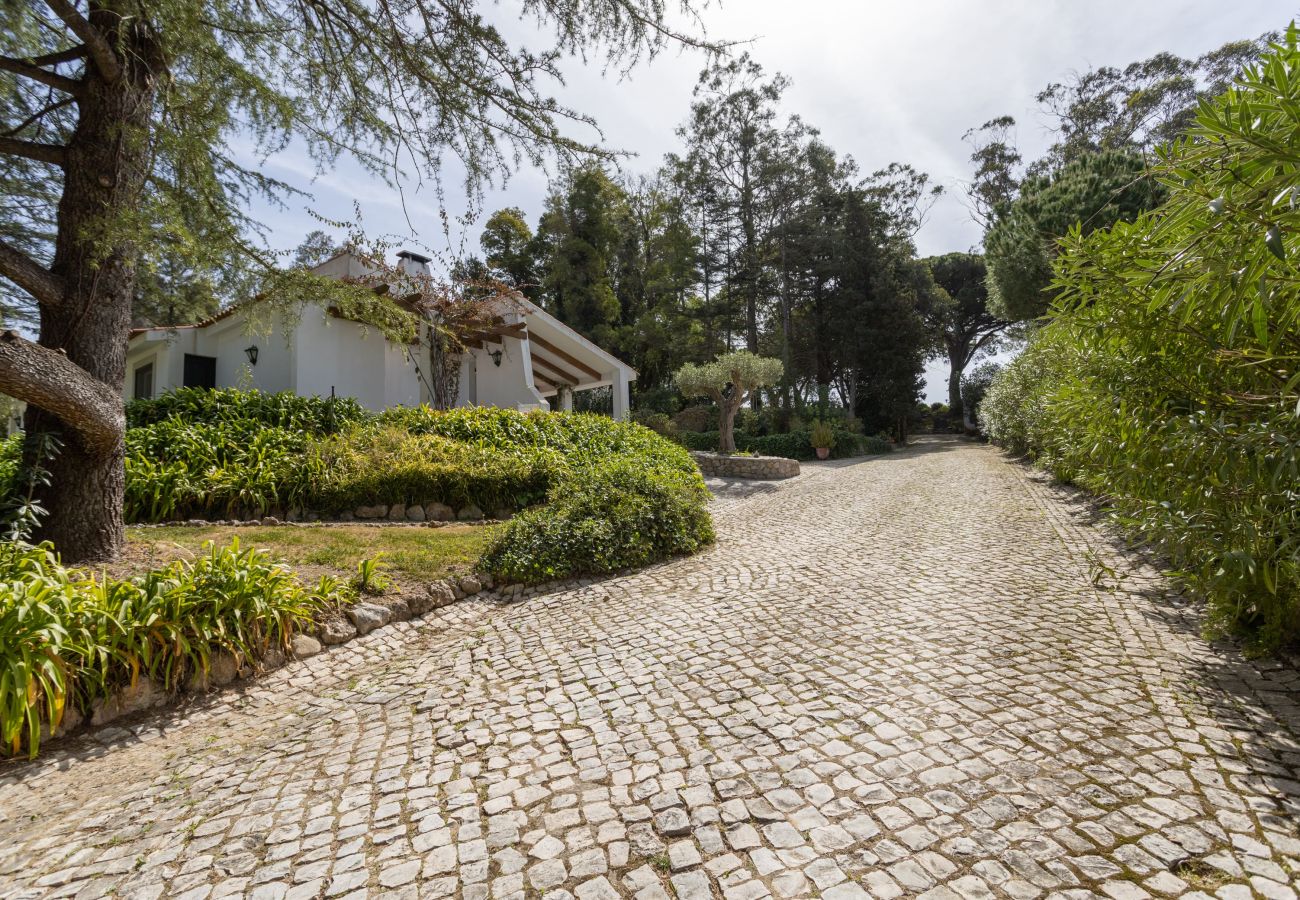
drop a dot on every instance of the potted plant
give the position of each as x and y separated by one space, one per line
823 438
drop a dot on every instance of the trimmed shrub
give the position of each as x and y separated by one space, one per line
68 638
579 438
701 417
657 422
280 455
386 464
617 516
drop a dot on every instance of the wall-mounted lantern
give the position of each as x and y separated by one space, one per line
251 352
496 358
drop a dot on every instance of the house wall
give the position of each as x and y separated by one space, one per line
228 339
320 353
354 360
509 385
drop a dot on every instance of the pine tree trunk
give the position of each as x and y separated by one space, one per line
105 173
954 393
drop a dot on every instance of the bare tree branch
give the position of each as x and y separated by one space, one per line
100 52
49 380
47 153
36 73
30 275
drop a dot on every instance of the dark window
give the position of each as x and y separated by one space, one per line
144 382
200 371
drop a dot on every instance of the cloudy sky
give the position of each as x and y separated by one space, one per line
883 81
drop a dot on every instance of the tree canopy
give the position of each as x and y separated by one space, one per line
728 381
1091 192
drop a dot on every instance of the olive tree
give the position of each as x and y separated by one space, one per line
729 381
119 121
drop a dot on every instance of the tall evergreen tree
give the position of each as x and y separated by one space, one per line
1094 191
733 124
580 235
509 250
956 312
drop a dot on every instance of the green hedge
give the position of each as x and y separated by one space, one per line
1166 381
792 445
385 464
281 455
69 638
198 406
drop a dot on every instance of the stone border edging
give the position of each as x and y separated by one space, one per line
722 465
356 620
433 515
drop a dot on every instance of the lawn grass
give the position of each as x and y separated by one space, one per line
412 554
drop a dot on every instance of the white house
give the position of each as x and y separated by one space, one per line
533 360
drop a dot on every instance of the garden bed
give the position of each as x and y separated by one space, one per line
730 465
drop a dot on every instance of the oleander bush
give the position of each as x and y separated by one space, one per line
69 638
1166 381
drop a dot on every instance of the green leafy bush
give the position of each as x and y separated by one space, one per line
578 438
701 417
178 470
68 638
1167 380
615 516
198 406
387 464
247 453
657 422
11 451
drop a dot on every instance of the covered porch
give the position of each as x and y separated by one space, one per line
531 360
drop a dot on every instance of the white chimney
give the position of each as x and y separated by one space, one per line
413 263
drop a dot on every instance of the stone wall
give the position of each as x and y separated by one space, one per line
765 467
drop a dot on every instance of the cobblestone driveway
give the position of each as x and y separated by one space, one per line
892 676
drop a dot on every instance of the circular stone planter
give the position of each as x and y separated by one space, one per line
763 467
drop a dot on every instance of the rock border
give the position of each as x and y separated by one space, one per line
725 465
430 515
360 618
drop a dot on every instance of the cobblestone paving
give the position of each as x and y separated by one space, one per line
924 674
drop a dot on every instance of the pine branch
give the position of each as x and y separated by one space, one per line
60 56
49 380
30 70
30 275
47 153
36 117
97 46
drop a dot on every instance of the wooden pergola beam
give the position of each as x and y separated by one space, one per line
560 354
566 376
